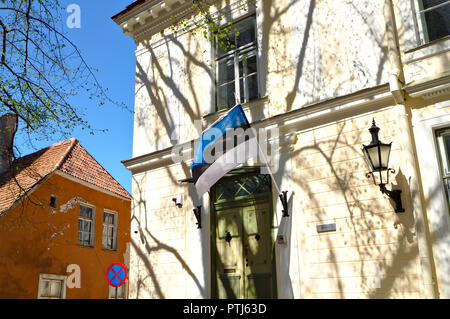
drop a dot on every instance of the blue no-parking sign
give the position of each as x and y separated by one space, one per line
116 274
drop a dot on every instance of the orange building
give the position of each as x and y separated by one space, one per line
63 220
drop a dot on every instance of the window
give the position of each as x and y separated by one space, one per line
52 286
434 17
237 73
86 226
443 139
121 291
53 201
109 240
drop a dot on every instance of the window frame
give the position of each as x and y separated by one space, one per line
124 286
115 226
55 201
51 277
91 243
444 160
421 27
237 53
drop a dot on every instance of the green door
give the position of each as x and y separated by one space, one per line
243 243
229 262
256 251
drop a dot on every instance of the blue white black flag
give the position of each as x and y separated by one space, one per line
226 144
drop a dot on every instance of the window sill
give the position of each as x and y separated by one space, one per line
211 117
86 246
427 50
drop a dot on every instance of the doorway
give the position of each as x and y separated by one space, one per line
242 240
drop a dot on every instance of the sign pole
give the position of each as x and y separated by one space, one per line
116 292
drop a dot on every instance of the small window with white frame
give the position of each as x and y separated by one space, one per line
121 291
86 226
109 240
432 18
443 141
52 286
237 65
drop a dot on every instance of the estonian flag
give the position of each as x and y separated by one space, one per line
222 147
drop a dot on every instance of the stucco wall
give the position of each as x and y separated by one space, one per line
173 86
167 254
374 252
421 60
301 61
309 61
313 51
39 239
426 121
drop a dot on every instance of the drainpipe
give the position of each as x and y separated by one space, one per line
395 67
410 162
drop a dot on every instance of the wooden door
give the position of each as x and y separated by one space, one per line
229 253
243 259
257 242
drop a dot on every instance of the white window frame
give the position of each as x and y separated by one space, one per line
421 27
443 160
237 53
91 243
112 291
425 127
116 215
51 277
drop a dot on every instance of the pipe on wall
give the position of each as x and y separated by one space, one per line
410 163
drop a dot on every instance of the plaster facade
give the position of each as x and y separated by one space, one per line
40 239
325 70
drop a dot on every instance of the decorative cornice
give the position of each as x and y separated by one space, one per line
288 124
429 88
150 17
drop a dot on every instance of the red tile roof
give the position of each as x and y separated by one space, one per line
68 157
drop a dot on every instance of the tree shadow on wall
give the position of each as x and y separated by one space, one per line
374 232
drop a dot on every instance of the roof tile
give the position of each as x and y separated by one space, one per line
67 156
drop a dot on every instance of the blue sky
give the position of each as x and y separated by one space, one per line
104 47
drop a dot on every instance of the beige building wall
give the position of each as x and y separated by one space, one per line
167 257
426 120
301 62
372 67
374 252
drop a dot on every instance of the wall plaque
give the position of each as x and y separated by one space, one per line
326 227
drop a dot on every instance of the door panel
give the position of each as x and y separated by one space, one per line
256 236
229 286
229 253
256 245
243 252
259 286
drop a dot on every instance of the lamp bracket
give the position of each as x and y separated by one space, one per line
284 203
395 195
198 216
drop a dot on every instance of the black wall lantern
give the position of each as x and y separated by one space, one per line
377 157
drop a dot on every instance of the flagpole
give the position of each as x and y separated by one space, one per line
281 195
268 167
